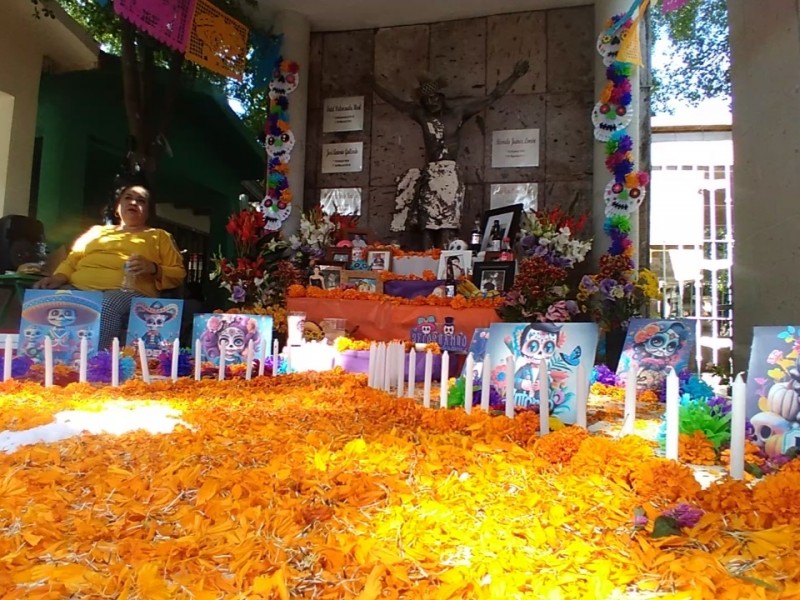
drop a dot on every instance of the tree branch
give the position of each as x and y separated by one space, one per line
172 92
130 82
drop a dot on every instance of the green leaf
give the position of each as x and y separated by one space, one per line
754 470
759 582
665 527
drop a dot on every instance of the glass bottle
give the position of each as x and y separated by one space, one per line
475 236
495 237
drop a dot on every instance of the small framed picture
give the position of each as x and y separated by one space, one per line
454 264
363 281
331 277
500 223
493 276
339 256
359 237
379 260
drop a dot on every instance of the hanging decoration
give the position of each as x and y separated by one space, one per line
279 142
669 6
266 50
217 41
168 21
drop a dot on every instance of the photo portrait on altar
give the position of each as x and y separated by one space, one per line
454 264
379 260
331 277
563 347
506 219
156 322
656 345
226 336
493 276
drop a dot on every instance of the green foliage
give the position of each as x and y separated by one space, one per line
697 415
699 68
665 527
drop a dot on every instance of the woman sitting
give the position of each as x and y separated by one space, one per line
123 260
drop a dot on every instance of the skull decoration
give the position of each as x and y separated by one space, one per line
32 335
85 333
280 146
284 81
608 44
231 343
156 321
275 212
538 346
449 327
458 245
622 200
61 317
767 424
608 118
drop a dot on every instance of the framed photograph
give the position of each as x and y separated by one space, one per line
363 281
359 236
507 220
331 277
339 256
379 260
454 264
493 276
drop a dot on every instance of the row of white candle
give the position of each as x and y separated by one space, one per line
387 366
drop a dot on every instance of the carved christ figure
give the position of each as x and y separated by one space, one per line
432 197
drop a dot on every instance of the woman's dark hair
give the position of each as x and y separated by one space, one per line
122 183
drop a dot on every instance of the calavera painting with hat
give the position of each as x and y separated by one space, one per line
226 336
65 316
157 322
447 335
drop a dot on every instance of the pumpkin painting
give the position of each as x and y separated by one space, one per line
784 401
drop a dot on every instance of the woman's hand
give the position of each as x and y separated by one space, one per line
139 265
52 282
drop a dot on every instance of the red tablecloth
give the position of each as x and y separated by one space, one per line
451 329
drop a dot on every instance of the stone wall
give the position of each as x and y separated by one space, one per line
555 96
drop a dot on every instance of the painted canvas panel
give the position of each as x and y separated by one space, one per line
157 322
562 346
477 347
655 346
773 388
227 336
65 316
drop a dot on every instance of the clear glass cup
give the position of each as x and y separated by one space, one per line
128 278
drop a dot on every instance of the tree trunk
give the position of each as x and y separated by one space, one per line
645 135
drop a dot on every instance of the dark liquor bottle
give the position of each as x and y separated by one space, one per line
495 237
475 236
505 250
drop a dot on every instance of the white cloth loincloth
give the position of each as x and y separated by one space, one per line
432 197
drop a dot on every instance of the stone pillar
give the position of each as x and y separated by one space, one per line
604 10
765 59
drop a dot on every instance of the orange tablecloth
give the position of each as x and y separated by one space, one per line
451 329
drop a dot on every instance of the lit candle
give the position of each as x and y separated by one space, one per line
486 382
8 357
510 387
401 369
84 358
629 418
275 358
673 415
143 360
48 361
544 400
115 362
426 393
248 374
738 424
176 354
445 379
581 397
412 372
468 383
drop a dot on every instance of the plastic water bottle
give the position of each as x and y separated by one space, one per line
128 279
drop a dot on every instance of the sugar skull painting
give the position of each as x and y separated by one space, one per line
275 210
622 199
655 347
609 118
561 347
156 322
280 146
773 388
65 316
285 79
608 42
225 337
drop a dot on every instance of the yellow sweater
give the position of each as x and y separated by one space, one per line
97 260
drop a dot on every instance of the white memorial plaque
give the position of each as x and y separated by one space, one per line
343 158
343 114
508 194
515 148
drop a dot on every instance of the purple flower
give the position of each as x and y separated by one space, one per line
685 514
572 307
588 285
238 294
602 374
640 520
606 286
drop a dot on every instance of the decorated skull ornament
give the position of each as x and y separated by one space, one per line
622 200
275 212
285 79
608 43
280 146
608 118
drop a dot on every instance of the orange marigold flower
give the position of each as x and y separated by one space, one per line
776 498
696 449
296 291
559 447
658 479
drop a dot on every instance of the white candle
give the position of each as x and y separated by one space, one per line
412 372
468 383
198 361
486 382
387 367
371 365
176 354
738 424
221 368
544 400
510 387
581 397
83 360
248 374
115 362
48 361
143 360
629 418
275 358
377 379
445 380
8 357
673 415
426 397
401 369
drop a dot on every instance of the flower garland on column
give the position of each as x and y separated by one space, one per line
279 142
